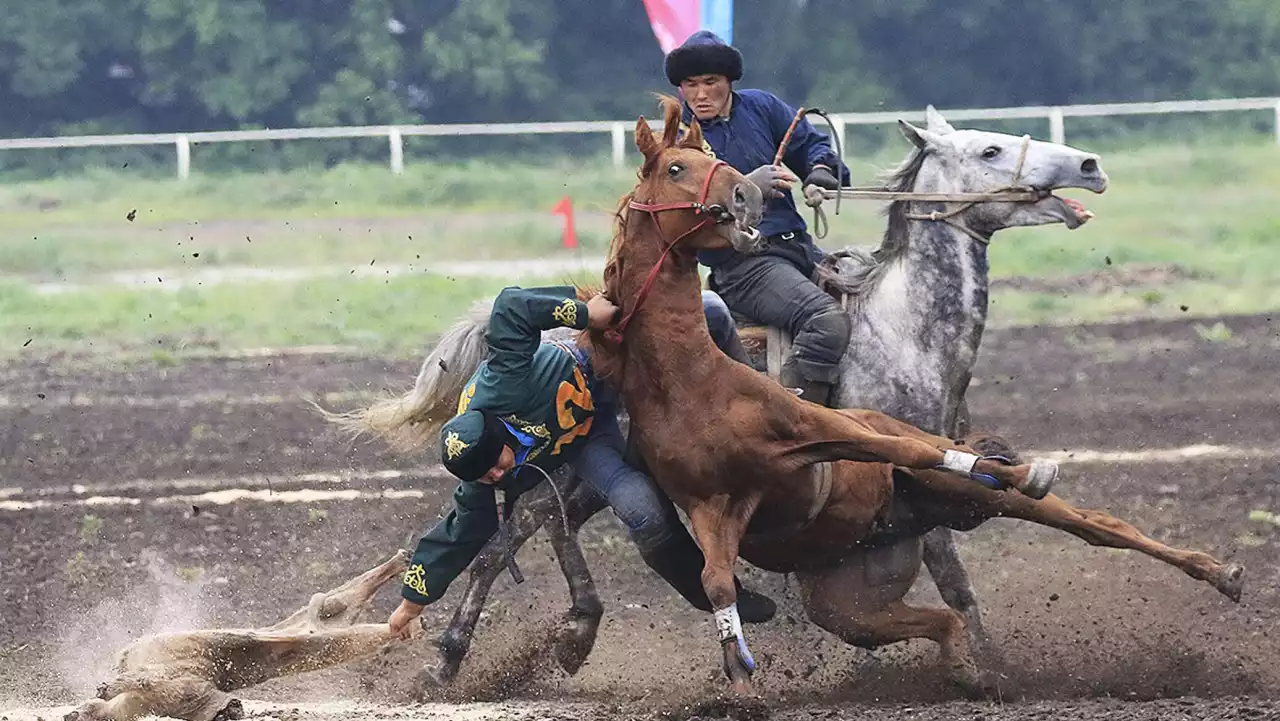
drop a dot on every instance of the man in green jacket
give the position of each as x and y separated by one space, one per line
538 403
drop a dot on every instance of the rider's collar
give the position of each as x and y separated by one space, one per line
526 441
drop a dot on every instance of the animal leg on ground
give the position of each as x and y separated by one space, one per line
536 508
177 698
577 636
189 675
718 525
1099 528
860 601
942 558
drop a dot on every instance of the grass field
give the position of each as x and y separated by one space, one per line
1208 210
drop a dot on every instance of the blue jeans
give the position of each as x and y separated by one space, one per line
635 498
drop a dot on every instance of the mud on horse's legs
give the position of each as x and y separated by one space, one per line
536 508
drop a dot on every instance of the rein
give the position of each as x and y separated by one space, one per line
1011 193
712 215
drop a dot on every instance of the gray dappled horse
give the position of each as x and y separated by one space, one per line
918 306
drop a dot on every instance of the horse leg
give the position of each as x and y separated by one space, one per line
182 697
942 558
537 507
577 636
718 524
1099 528
860 601
893 436
941 496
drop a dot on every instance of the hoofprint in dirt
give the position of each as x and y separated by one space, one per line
78 581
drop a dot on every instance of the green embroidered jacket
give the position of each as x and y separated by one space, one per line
539 390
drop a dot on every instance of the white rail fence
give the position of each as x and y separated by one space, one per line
395 134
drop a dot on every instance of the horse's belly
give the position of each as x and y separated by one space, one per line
858 507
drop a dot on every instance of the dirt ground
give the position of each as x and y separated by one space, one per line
115 521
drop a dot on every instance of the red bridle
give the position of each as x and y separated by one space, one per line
700 207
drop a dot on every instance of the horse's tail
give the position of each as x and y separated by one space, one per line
411 421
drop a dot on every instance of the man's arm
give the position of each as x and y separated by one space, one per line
449 547
520 315
808 149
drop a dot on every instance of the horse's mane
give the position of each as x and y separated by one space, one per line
856 270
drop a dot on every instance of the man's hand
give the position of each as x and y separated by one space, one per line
823 178
402 618
773 180
600 312
813 196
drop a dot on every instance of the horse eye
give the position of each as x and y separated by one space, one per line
675 169
990 152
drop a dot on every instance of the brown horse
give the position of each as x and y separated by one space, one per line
789 485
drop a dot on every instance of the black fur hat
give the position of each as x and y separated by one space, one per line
704 53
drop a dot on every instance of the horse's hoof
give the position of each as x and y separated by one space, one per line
574 641
442 674
1230 581
1040 479
232 711
973 684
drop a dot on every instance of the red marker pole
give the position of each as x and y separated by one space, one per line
565 208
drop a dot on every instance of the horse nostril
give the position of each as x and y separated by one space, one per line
1089 167
739 197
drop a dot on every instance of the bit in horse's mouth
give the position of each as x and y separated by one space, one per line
1073 211
741 226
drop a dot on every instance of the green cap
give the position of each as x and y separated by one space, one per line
471 443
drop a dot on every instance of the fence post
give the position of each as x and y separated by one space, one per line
1278 120
1057 133
837 124
184 157
618 132
397 150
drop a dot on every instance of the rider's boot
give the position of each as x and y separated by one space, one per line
679 562
789 377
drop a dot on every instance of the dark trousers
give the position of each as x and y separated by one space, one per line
772 289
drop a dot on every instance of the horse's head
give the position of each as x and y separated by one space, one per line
695 200
975 161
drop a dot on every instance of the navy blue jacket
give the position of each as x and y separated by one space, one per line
748 139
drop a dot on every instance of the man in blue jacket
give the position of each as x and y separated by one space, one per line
744 128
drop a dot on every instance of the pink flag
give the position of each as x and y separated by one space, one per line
673 21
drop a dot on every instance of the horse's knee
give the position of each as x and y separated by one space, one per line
717 581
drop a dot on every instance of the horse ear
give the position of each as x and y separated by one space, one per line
919 137
693 137
935 122
671 133
645 142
